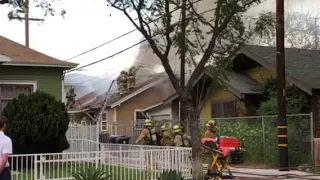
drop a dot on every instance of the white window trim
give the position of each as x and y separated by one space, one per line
160 114
135 117
17 82
105 114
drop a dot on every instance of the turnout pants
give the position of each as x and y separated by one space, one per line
5 175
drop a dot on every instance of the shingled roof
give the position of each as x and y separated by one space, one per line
20 55
242 83
302 66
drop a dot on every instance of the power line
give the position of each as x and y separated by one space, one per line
88 80
95 62
129 32
140 42
101 45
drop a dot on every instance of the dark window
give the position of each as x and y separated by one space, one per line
10 91
223 109
139 117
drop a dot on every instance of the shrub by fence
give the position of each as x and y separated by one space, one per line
259 136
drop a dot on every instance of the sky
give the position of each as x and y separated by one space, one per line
88 24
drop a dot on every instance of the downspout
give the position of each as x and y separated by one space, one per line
63 93
115 126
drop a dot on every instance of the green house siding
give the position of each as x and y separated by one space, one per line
48 79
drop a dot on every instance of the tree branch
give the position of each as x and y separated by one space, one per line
149 38
182 43
169 28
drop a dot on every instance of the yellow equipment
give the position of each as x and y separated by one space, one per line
218 168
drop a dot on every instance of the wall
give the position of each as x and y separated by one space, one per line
175 110
162 109
220 94
48 79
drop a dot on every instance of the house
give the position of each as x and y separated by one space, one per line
130 111
238 94
24 70
124 115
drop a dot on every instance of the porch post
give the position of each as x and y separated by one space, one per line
315 111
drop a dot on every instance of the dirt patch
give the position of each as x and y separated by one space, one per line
252 166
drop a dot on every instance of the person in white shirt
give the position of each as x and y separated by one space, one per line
5 151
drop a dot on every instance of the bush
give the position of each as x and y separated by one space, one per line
91 174
37 124
170 175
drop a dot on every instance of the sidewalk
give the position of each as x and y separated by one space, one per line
272 174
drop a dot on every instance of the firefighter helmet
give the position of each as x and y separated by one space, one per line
163 128
177 128
147 122
211 123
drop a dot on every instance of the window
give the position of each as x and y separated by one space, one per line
104 122
139 118
223 109
9 91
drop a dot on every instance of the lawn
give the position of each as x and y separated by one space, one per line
64 170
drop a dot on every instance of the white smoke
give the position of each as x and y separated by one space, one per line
153 64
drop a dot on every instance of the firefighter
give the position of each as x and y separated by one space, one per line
211 131
166 138
145 137
123 89
180 139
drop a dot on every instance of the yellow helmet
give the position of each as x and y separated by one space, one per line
211 123
163 128
176 128
147 122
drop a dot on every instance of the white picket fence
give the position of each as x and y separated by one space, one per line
119 161
88 132
120 165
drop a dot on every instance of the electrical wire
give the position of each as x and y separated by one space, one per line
129 32
130 47
117 53
135 61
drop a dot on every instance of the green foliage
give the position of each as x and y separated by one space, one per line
259 135
91 173
19 7
170 175
296 99
37 124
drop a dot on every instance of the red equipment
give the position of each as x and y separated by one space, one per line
228 146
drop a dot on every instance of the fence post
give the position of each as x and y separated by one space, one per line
263 139
311 136
35 164
41 176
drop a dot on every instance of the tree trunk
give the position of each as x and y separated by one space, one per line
193 124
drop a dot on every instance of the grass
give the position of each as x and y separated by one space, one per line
64 170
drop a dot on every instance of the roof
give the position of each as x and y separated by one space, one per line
84 100
236 83
240 84
21 55
139 88
94 100
302 66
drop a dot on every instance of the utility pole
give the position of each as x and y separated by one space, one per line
281 91
26 22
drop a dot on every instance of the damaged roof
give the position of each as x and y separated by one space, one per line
302 65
